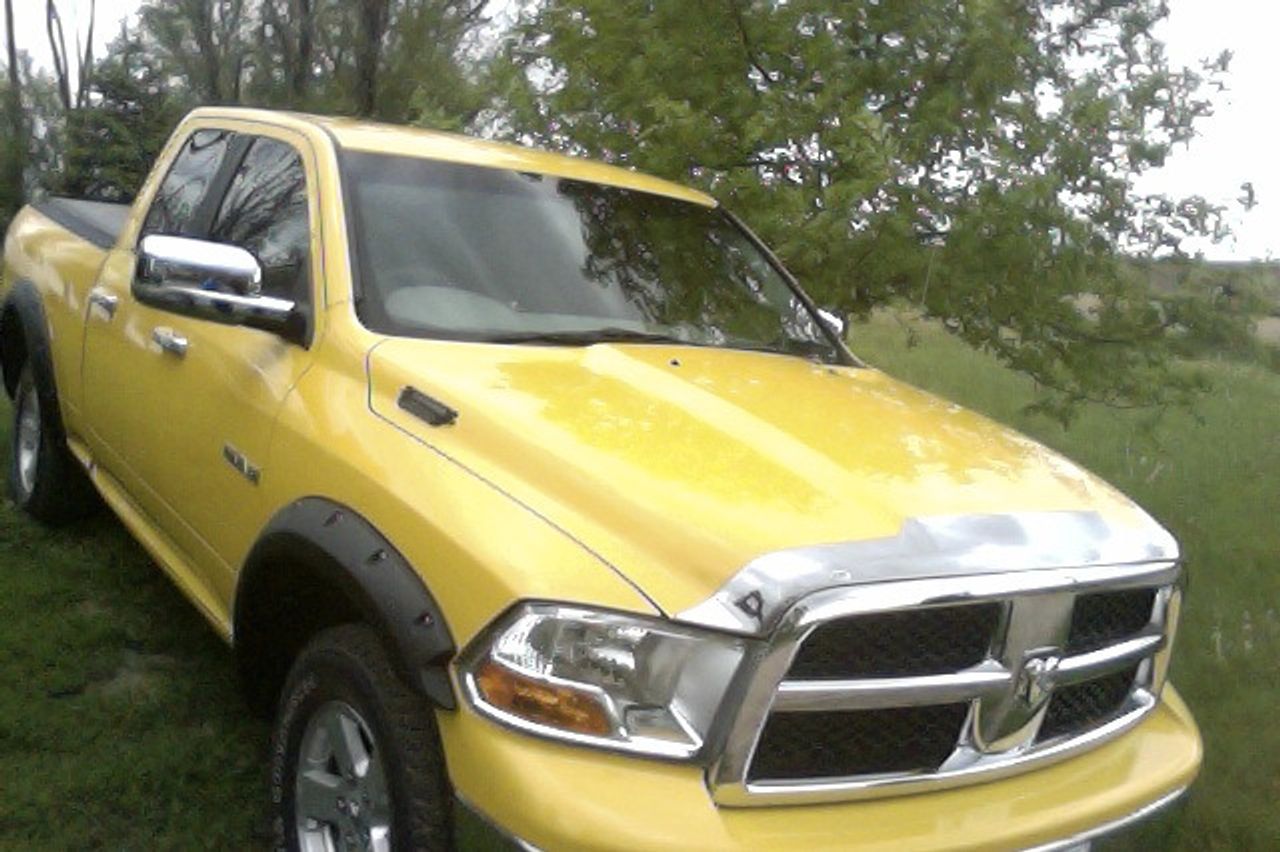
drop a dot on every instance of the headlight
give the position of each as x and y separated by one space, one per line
601 678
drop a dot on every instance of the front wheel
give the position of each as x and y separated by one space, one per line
356 762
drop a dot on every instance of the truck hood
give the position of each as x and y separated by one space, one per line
678 466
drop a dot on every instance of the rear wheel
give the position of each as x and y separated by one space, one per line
356 757
45 481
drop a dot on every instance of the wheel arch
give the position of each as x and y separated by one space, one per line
24 335
318 564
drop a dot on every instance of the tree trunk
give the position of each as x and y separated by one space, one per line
86 60
300 73
58 47
372 27
16 162
200 14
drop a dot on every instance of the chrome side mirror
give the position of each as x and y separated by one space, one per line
211 281
209 267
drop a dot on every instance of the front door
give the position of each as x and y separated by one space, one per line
181 408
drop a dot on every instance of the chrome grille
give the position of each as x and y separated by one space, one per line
884 689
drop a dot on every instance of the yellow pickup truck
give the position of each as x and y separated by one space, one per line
544 510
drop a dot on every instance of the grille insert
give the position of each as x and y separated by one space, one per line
841 743
1103 618
1074 709
932 640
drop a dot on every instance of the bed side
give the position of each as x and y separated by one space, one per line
50 265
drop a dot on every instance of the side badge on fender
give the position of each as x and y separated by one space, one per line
237 459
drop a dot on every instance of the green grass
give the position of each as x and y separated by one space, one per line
120 724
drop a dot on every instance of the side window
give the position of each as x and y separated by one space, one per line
265 211
173 210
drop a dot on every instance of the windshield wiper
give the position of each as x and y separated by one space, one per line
613 334
586 337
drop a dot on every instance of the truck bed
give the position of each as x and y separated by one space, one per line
99 222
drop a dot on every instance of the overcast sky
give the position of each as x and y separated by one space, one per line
1235 145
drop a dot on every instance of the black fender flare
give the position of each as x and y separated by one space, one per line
24 330
346 551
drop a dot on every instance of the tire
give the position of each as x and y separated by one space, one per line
45 480
342 687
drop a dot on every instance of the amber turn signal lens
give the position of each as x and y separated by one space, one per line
547 704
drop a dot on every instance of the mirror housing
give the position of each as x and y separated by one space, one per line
212 281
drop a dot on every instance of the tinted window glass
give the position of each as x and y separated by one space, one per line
451 250
173 211
265 211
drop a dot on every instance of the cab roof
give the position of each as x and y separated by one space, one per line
357 135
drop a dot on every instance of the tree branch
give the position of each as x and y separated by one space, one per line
86 60
58 47
748 49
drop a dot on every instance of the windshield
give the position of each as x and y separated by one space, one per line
459 251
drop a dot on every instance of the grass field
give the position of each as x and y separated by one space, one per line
120 726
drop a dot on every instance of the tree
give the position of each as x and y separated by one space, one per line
289 28
396 60
977 159
14 153
62 61
205 41
111 146
371 26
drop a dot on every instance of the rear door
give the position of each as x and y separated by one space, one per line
182 408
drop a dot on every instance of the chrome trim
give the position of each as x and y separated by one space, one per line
966 767
105 301
1113 658
754 599
984 679
169 341
241 463
229 308
988 681
166 260
1006 712
211 281
1108 828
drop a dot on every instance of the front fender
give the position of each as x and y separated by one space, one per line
342 549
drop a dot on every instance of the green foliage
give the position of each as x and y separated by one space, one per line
317 55
295 54
111 147
978 159
13 159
